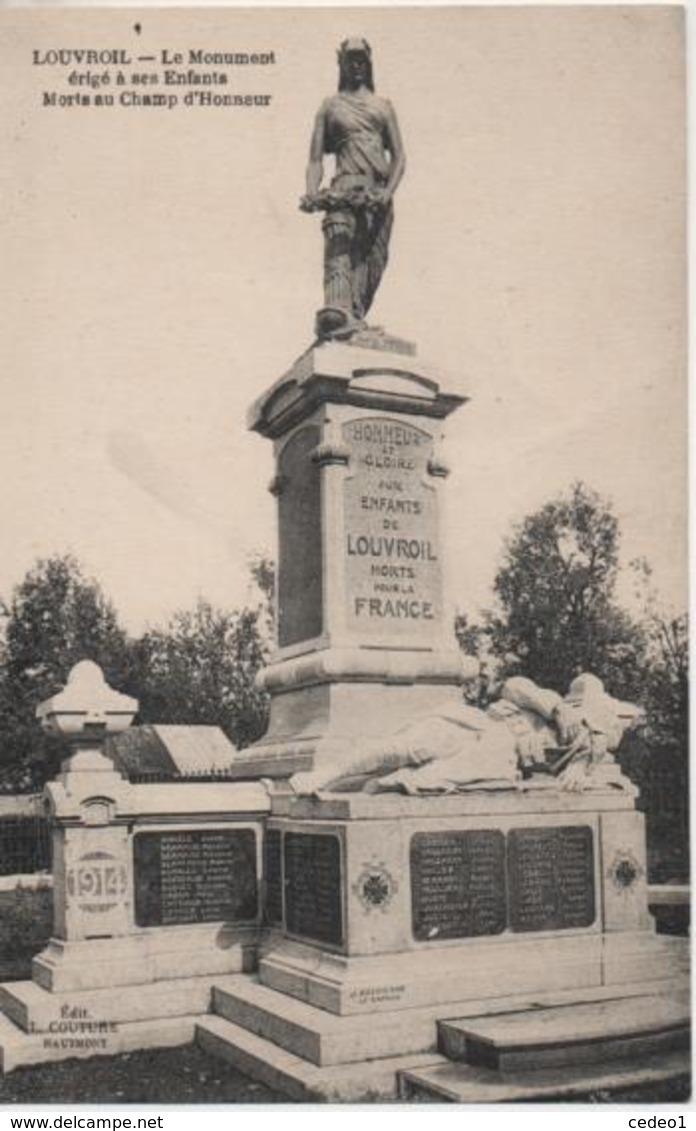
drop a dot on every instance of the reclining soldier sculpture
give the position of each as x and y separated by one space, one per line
528 738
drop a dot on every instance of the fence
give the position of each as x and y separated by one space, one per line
25 837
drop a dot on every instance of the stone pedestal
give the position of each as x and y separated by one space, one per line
392 903
364 632
394 922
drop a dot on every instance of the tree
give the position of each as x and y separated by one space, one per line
667 733
667 671
556 587
201 669
262 569
557 616
55 617
662 772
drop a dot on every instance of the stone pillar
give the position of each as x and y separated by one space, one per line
156 893
364 630
91 865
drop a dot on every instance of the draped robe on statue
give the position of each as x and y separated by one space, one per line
357 239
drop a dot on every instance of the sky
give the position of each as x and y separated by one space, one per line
158 277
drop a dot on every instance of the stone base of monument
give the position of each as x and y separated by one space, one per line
392 915
383 902
531 967
640 1032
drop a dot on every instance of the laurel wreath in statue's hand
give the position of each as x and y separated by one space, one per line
359 197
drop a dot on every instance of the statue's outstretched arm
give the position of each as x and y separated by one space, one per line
526 695
549 705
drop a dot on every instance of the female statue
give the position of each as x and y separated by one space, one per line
360 129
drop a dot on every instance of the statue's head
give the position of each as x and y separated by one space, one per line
354 54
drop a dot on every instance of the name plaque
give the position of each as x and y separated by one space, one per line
195 877
482 882
273 876
313 887
551 878
393 575
458 884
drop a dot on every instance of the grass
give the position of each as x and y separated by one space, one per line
151 1076
25 928
189 1075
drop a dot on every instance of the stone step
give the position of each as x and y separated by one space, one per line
569 1034
298 1079
464 1083
35 1009
318 1036
327 1038
18 1048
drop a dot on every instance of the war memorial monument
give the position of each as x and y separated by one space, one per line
392 893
